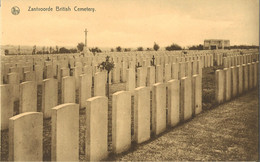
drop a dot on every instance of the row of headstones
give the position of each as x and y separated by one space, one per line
239 60
132 53
219 59
38 74
119 72
233 81
147 76
26 129
33 64
50 69
233 59
78 56
242 52
88 60
145 60
34 59
206 61
38 71
64 60
26 94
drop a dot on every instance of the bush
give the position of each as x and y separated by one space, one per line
127 49
118 49
173 47
73 50
95 50
64 50
6 52
198 47
140 49
156 46
80 46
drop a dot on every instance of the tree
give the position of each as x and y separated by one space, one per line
34 50
118 49
243 47
148 49
156 46
43 49
198 47
6 52
127 49
95 50
39 52
57 49
73 50
173 47
108 66
80 46
64 50
140 49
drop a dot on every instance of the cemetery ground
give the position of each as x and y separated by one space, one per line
226 117
227 132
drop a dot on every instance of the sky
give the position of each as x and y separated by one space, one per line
130 23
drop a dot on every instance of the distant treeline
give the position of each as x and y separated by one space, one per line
244 47
80 47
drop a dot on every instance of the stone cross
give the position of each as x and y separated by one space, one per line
153 58
86 31
138 65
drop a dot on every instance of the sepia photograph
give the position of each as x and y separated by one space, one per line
129 80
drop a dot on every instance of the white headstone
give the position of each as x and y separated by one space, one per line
186 107
25 137
100 84
173 102
85 88
49 96
68 90
65 132
130 80
121 121
96 128
7 104
159 74
142 114
28 97
150 75
159 108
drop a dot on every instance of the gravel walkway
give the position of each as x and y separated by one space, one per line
227 132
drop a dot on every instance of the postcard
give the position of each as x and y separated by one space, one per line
129 80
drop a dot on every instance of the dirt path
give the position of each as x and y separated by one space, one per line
228 132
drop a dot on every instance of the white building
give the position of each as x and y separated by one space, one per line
211 44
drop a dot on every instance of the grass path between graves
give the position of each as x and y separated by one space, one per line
227 132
